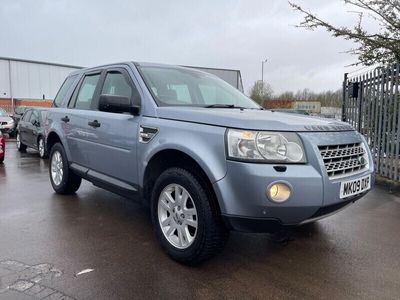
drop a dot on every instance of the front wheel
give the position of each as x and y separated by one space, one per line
186 222
63 180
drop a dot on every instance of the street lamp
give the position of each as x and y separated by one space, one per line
262 69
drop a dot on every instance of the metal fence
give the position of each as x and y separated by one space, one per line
371 103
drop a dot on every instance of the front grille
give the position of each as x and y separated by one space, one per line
3 123
344 160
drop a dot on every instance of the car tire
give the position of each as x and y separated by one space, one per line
195 231
1 160
63 180
42 148
20 146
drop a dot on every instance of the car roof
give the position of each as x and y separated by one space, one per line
37 108
138 64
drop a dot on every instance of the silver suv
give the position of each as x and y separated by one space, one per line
204 157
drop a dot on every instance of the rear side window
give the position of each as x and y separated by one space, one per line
63 91
86 92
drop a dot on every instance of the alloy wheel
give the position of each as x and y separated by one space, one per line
41 147
57 168
18 141
177 216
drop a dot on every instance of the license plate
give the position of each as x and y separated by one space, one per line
355 186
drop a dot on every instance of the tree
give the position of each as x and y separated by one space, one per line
381 46
260 92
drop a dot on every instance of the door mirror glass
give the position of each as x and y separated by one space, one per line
117 104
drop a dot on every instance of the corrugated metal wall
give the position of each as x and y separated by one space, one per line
31 80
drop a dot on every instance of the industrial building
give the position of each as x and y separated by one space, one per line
35 83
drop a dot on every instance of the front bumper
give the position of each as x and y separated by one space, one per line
7 128
242 192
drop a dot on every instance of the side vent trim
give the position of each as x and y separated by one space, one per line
146 134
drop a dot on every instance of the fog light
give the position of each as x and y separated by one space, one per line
278 192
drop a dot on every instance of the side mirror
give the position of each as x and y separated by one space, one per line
117 104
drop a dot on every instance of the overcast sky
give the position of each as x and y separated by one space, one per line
226 34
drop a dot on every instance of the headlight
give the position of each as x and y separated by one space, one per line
265 146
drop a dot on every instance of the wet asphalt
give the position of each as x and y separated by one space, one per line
46 239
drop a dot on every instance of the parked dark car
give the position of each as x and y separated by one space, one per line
30 131
19 112
2 147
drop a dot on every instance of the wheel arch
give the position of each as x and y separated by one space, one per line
168 158
51 140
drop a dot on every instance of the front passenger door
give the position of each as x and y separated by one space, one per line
114 138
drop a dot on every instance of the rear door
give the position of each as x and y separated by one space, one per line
32 128
113 141
22 129
75 121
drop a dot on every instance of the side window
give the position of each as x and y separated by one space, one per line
86 91
34 119
27 115
117 84
63 91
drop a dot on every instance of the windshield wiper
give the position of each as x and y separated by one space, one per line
223 106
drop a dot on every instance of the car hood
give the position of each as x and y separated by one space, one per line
6 119
251 119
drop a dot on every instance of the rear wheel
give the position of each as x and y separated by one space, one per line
186 223
42 148
20 146
63 180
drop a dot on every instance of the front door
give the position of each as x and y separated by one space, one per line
113 136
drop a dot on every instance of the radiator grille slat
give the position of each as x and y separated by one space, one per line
344 160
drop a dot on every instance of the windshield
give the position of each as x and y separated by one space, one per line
3 113
185 87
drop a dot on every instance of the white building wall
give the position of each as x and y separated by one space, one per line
34 80
4 80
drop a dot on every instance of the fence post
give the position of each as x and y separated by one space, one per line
360 112
344 98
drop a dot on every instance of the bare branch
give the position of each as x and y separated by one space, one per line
381 47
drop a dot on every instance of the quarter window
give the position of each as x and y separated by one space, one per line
86 92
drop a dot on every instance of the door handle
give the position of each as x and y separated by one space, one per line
94 124
65 119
